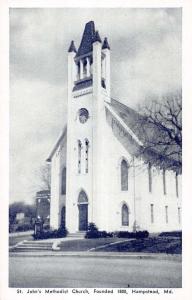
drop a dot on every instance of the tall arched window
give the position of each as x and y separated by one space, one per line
125 215
177 187
63 182
150 177
124 175
86 156
79 156
164 182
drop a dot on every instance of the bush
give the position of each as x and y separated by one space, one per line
24 227
142 234
46 227
51 234
171 233
132 235
94 233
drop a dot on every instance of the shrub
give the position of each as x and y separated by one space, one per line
132 235
50 234
46 227
142 234
24 227
171 233
94 233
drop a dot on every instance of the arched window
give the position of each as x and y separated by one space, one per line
79 156
124 175
63 217
63 182
82 198
177 187
164 182
150 177
86 156
125 215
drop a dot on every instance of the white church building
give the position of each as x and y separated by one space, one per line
97 172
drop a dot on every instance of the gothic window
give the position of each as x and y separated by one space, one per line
152 213
82 198
150 177
63 217
86 156
124 175
125 215
79 156
63 182
164 183
177 188
166 214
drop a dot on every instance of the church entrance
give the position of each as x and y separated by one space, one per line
83 211
83 217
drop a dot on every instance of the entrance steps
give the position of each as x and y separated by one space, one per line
31 246
78 235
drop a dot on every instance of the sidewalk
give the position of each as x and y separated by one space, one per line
132 255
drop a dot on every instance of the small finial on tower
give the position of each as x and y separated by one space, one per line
105 44
72 47
97 37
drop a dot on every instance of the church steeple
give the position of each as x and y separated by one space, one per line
105 44
87 39
72 47
97 37
91 52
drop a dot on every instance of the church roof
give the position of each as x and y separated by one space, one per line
72 47
105 44
61 136
90 35
147 133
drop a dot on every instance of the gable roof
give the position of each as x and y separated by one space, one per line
56 145
147 133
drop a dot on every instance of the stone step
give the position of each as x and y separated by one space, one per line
80 234
33 246
36 244
28 249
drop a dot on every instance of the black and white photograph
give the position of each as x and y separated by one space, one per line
95 150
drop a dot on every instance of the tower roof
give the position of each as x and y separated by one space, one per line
72 47
105 44
89 37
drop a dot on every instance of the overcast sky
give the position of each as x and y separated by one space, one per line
145 60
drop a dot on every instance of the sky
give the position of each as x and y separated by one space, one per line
145 62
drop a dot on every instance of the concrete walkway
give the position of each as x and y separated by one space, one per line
131 255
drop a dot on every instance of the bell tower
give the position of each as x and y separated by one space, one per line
88 90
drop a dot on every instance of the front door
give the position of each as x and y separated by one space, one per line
83 217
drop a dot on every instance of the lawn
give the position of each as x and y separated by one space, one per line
168 245
148 245
87 244
13 240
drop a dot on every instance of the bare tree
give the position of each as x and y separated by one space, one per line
160 128
44 175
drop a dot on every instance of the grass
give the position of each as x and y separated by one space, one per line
13 240
169 245
148 245
87 244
